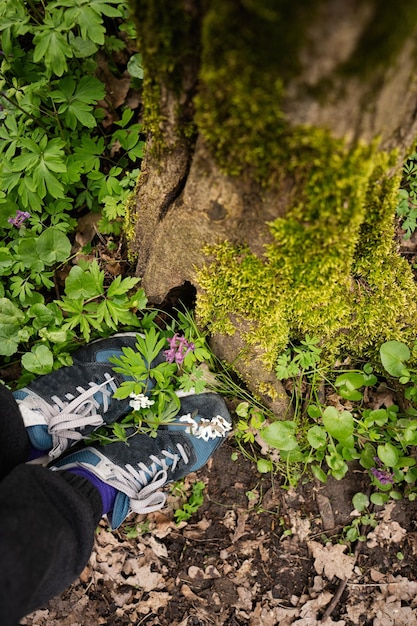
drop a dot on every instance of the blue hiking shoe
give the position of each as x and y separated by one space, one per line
140 468
62 407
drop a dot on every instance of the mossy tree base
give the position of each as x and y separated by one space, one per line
279 207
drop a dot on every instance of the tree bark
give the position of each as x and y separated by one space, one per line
345 68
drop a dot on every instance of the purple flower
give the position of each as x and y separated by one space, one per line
179 347
383 476
19 218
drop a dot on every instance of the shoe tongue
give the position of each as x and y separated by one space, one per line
39 437
120 510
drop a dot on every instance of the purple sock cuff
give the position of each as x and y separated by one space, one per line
34 453
107 492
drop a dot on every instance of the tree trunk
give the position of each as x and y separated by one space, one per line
276 134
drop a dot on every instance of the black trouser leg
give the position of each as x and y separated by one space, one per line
14 442
47 524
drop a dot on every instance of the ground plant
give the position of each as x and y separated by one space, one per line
166 363
407 197
65 151
326 438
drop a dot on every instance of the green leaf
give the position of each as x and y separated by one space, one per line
314 411
121 287
134 66
27 253
367 459
82 48
138 300
388 454
379 498
280 435
126 388
360 501
6 259
337 465
339 425
39 360
53 246
348 385
317 437
10 313
264 466
83 284
53 49
78 99
9 339
242 409
119 431
42 315
393 356
319 473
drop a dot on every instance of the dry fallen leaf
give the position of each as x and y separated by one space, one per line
331 560
142 576
157 600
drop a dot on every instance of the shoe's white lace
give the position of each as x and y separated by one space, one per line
141 483
65 418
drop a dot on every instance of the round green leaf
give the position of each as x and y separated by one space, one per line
9 339
242 409
10 313
280 435
395 495
53 246
317 437
314 411
28 254
360 501
134 66
379 498
350 380
339 425
393 354
353 394
264 466
388 454
42 315
39 360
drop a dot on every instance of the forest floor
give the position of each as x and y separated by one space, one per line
253 554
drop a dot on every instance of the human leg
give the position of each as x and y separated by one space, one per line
47 525
138 470
14 442
48 518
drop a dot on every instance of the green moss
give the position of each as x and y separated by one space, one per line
332 270
248 53
169 41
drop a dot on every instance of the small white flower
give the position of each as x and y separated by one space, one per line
193 426
140 401
206 429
